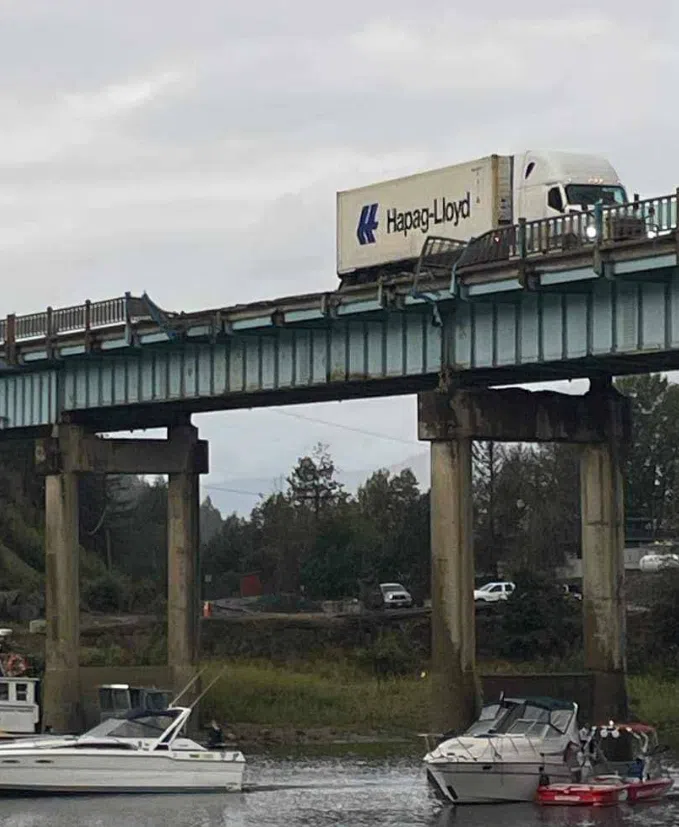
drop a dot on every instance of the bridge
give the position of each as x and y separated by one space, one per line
587 295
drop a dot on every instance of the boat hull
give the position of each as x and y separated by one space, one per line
72 771
584 795
490 783
603 793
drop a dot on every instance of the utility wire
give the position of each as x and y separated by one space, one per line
348 428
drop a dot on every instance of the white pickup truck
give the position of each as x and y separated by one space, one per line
494 592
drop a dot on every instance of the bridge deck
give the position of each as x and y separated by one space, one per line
608 308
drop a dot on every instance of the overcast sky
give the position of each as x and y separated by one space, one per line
193 150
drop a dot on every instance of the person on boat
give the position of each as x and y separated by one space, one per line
216 736
636 769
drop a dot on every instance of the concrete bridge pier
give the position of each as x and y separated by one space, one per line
183 583
603 578
452 571
599 421
61 707
72 451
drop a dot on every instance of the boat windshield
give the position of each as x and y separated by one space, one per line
136 724
490 718
536 721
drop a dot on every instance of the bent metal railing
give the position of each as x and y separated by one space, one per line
634 221
78 318
650 218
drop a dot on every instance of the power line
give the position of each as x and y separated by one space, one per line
233 490
348 428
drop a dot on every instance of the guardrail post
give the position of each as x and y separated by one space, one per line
11 338
128 320
521 238
49 332
598 221
88 325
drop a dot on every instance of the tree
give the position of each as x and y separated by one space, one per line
537 506
395 528
312 484
210 520
229 554
487 460
651 465
281 536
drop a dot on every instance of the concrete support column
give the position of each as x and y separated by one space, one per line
183 574
455 688
603 577
61 694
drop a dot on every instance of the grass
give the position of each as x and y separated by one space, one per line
256 692
335 695
656 701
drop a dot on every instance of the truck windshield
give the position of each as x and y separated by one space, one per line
589 194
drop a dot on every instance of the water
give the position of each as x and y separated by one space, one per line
319 792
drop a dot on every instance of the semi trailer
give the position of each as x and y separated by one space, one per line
382 227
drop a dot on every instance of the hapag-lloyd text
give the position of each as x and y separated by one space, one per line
442 211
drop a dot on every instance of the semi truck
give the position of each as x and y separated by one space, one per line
381 228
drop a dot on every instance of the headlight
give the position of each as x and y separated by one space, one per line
590 232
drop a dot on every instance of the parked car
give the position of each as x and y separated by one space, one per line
657 562
394 595
494 592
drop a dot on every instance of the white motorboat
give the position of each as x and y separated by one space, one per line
513 746
139 751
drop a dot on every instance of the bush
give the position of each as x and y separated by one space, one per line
105 594
660 640
391 655
538 621
142 596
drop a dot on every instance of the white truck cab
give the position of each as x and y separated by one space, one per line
548 184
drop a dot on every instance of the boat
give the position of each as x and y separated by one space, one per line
138 751
629 754
595 793
514 745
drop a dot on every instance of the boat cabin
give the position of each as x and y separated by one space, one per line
118 698
19 705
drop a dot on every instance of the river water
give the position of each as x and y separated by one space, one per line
319 792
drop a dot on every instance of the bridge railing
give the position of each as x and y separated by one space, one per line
636 220
62 320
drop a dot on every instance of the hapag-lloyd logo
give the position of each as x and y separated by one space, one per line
441 211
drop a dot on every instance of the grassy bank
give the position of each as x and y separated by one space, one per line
656 701
325 696
336 698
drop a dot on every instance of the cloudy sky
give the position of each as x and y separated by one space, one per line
193 150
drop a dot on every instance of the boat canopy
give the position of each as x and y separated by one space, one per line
523 716
136 723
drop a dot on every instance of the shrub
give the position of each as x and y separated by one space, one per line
105 594
389 656
538 621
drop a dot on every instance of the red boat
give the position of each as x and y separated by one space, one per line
602 792
629 754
